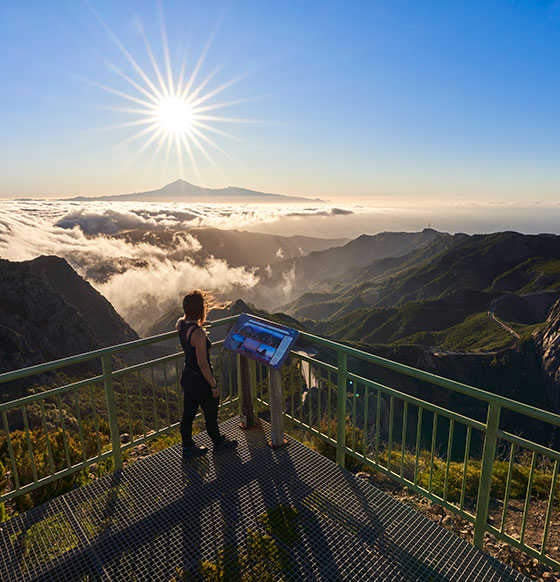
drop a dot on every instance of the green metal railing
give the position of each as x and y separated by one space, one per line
500 482
109 413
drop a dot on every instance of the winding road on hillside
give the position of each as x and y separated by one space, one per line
436 351
492 315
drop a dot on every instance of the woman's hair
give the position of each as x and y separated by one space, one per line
194 305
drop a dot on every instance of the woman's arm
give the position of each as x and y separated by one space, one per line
198 340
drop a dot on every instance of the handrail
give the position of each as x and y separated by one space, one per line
478 393
386 449
79 358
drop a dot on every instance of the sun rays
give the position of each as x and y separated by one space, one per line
168 113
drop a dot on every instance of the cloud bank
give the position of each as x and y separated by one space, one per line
141 279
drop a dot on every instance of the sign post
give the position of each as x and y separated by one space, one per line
268 343
276 410
247 412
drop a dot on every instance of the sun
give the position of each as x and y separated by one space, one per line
173 111
175 116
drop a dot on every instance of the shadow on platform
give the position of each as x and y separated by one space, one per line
250 514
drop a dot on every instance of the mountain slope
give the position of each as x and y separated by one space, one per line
322 270
48 312
442 308
168 321
97 313
476 262
389 324
448 264
359 286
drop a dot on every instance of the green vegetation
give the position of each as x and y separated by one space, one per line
260 559
46 540
3 483
438 295
425 322
525 331
541 275
519 479
435 473
548 268
281 521
454 330
55 442
477 333
54 535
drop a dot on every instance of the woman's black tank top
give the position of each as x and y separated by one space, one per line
185 333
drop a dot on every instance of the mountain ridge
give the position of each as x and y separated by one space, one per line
182 191
313 272
500 262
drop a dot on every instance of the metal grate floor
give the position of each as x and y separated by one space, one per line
163 519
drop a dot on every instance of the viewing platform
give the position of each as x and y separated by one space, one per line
262 513
250 514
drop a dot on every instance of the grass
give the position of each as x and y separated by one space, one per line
435 473
45 541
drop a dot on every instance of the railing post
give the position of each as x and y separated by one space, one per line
486 469
341 409
112 410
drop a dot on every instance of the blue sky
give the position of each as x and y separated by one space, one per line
414 101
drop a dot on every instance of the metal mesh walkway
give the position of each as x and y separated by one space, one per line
254 514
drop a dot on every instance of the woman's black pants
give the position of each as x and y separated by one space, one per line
190 408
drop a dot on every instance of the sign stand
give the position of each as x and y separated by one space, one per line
276 412
247 412
257 340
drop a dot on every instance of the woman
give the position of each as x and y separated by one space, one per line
198 382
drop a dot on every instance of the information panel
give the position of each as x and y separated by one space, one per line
266 342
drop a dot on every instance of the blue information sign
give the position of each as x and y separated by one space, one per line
264 341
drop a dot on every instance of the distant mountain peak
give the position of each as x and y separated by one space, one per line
182 191
176 182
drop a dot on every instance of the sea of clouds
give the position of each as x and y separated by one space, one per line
144 279
141 279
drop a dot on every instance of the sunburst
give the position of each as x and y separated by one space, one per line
175 112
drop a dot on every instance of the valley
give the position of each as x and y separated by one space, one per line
471 308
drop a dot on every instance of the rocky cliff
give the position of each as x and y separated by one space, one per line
47 312
547 340
97 312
